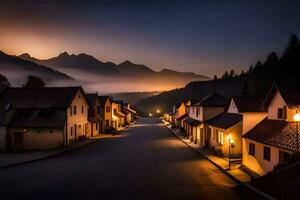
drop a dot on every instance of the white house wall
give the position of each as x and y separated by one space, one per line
251 119
257 163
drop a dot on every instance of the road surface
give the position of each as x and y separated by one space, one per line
147 162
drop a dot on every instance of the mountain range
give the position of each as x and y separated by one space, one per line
126 76
17 69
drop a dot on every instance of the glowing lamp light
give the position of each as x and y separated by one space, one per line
230 139
297 117
158 111
150 114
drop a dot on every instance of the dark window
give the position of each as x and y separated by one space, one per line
107 109
280 113
97 126
71 111
267 153
82 109
98 109
71 131
197 112
51 131
251 149
107 123
74 110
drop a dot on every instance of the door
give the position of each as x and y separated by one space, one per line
18 141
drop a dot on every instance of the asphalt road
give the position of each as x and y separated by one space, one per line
147 162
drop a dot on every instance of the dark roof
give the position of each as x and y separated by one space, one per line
118 102
182 117
129 110
276 133
126 112
103 99
225 120
38 118
192 122
56 97
214 99
248 103
289 91
36 107
92 98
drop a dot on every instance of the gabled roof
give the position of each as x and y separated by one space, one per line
182 117
38 118
213 99
104 99
36 107
276 133
248 103
92 98
289 91
118 102
192 122
129 110
49 97
225 120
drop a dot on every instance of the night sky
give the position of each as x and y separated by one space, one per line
206 37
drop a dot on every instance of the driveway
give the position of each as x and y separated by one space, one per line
146 162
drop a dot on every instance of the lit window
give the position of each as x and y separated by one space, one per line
220 137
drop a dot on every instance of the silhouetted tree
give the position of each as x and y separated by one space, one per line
4 81
215 77
231 73
250 69
34 82
225 75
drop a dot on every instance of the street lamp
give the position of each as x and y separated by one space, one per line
297 120
158 111
150 114
230 144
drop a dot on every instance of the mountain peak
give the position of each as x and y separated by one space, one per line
126 62
64 54
25 56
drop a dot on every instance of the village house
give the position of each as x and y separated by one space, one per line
227 128
181 111
250 108
130 113
273 139
42 118
95 126
106 111
207 108
118 118
226 134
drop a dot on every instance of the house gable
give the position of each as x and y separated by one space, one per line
232 107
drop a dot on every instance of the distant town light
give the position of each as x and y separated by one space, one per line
150 114
297 117
158 111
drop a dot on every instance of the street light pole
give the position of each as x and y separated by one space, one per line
229 154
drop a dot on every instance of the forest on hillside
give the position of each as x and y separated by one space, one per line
256 81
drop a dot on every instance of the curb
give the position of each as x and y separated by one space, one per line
254 189
46 157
